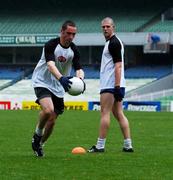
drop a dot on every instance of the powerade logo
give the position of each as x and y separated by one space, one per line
143 106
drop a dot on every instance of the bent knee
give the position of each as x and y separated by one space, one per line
49 112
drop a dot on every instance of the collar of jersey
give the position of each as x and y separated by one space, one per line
110 37
64 46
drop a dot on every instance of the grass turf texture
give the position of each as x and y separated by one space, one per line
152 140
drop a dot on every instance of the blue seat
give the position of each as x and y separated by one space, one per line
147 72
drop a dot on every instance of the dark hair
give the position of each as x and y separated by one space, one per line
68 23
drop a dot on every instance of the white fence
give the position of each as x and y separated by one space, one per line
150 96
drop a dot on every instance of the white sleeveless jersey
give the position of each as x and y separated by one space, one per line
113 52
64 59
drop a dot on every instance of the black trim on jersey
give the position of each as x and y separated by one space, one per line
76 59
49 49
114 48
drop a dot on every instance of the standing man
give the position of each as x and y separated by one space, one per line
112 84
50 81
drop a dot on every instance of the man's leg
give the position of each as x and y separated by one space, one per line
47 116
124 125
106 102
49 127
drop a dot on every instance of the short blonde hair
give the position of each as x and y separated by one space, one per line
109 19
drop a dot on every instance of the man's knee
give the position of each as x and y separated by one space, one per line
49 112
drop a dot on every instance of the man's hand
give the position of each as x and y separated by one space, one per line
65 82
118 94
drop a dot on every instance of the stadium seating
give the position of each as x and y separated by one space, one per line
45 17
23 89
132 73
133 83
148 71
3 82
88 22
166 26
11 73
90 72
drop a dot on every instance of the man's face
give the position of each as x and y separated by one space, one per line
108 28
68 34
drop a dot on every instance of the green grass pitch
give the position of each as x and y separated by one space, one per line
152 135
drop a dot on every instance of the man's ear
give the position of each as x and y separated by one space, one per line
62 32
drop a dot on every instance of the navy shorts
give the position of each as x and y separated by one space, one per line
57 102
112 90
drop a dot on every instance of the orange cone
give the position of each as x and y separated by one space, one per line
78 150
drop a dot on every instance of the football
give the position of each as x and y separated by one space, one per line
77 86
78 150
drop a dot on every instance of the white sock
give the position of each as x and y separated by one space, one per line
128 143
38 131
100 143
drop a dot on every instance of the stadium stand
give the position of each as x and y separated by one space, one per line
3 82
138 72
88 23
23 90
88 20
165 26
11 73
148 71
90 72
134 83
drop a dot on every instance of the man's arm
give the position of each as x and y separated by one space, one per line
65 82
118 67
118 94
76 62
53 69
